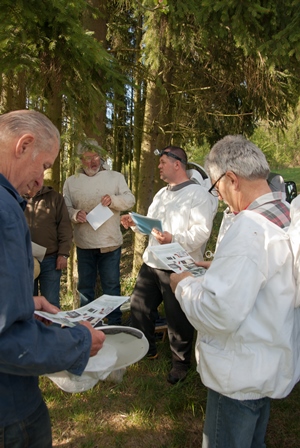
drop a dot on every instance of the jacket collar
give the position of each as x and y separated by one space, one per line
11 190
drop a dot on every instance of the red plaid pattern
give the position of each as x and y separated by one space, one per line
271 207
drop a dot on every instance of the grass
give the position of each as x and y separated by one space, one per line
291 174
144 410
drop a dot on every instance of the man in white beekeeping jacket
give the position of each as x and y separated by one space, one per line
186 211
243 307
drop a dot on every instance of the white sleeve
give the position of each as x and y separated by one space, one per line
67 198
123 199
222 299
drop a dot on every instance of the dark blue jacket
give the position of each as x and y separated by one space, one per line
28 348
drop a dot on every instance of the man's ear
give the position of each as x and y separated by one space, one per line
24 144
233 178
178 164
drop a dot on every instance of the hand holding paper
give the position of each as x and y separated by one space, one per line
162 237
98 338
175 258
145 224
127 221
94 312
98 216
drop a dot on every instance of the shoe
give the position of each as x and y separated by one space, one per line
152 355
176 375
158 336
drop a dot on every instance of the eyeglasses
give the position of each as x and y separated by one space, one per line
213 189
159 153
90 158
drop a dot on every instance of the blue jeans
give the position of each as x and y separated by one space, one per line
33 432
48 282
233 423
90 263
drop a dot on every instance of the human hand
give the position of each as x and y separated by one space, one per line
127 221
106 200
203 264
61 262
162 237
81 216
176 278
42 304
98 338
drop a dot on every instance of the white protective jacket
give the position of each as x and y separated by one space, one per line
243 310
82 192
187 212
294 233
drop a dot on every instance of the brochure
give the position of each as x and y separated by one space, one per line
94 312
146 224
98 216
175 258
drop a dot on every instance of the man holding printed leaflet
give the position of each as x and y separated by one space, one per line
244 306
98 249
29 145
186 211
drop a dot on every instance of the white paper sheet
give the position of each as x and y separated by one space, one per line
175 258
98 216
93 312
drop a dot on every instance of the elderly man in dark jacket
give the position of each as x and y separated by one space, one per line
48 220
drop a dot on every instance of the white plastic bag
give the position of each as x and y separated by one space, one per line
98 368
119 351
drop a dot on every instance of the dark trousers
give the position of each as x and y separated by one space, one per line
151 288
32 432
48 281
91 262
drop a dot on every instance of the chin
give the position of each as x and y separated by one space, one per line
91 172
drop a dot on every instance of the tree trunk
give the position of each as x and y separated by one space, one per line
139 110
147 165
97 130
54 112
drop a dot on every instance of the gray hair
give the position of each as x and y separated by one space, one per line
237 154
20 122
89 145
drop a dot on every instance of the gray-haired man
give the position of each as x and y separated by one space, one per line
243 307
